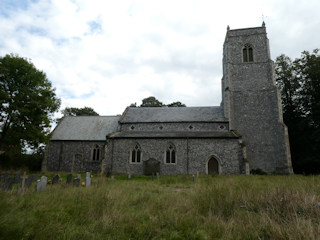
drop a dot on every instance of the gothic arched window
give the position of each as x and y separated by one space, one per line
95 153
247 53
170 154
135 155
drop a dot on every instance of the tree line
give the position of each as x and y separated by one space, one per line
28 102
299 84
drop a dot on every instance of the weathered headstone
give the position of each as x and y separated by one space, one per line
76 182
17 178
55 179
158 175
5 181
34 177
69 178
42 183
88 179
151 166
28 181
112 178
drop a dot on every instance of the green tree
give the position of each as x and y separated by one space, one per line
85 111
176 104
151 102
27 103
299 83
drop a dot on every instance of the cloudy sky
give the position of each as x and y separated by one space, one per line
108 54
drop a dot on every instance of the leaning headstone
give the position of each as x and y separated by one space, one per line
55 179
17 178
69 178
88 179
76 182
42 183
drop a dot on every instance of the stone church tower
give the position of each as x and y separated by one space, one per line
251 100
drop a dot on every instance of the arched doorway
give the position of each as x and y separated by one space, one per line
213 166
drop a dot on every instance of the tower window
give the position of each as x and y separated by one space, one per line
247 53
95 153
170 155
135 154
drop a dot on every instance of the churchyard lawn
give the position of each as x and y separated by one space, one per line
171 207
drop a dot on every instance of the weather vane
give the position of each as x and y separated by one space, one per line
263 17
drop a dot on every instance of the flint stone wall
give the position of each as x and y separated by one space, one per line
192 155
73 156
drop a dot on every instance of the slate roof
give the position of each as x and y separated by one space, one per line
86 128
133 134
172 114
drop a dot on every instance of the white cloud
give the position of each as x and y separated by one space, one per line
109 54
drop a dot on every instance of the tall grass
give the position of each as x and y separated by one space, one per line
220 207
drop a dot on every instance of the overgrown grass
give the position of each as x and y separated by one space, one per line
219 207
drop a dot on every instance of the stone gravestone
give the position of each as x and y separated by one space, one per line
151 166
88 179
69 178
34 177
42 183
55 179
76 182
17 178
5 181
29 181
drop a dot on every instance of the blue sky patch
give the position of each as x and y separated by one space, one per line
7 6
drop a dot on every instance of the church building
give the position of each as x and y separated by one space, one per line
246 132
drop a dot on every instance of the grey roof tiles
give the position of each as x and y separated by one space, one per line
172 114
86 128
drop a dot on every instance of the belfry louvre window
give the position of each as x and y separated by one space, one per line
170 154
247 53
95 153
136 154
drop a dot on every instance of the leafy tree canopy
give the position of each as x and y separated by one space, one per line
27 103
153 102
299 83
176 104
85 111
